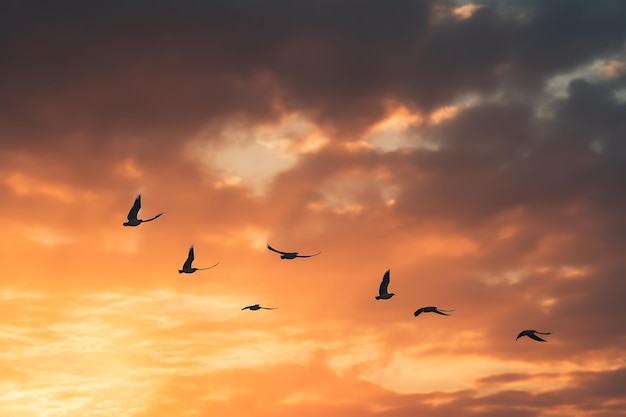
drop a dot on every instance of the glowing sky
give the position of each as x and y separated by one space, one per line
478 150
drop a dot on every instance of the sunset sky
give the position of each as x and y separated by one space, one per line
476 149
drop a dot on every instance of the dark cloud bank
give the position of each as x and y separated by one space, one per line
139 66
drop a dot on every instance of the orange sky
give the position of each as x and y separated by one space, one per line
498 194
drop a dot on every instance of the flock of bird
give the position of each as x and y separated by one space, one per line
383 290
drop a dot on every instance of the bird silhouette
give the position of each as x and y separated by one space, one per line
532 335
431 309
258 307
187 268
382 290
290 255
132 214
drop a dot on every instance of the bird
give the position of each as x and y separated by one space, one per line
187 268
290 255
431 310
532 335
132 214
382 290
258 307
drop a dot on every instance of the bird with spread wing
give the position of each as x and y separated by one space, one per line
132 214
290 255
383 293
258 307
187 268
431 309
532 335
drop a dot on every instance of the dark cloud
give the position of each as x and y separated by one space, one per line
146 67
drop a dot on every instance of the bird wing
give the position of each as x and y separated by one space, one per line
277 251
269 308
384 284
190 258
439 312
418 311
534 336
132 214
542 332
522 333
155 217
246 307
307 256
212 266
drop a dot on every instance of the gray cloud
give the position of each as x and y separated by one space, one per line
147 67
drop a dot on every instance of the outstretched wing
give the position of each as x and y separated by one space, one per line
439 312
307 256
274 250
522 333
418 311
246 307
212 266
190 258
534 336
132 214
384 284
269 308
155 217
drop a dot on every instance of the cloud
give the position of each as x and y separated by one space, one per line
476 150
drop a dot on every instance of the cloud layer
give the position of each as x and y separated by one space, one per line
476 150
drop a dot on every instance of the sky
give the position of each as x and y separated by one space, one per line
475 149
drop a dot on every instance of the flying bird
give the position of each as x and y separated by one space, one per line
431 310
258 307
290 255
382 290
532 335
187 268
132 214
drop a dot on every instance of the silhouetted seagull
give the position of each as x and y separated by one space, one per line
382 290
431 310
258 307
187 268
532 335
290 255
132 214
